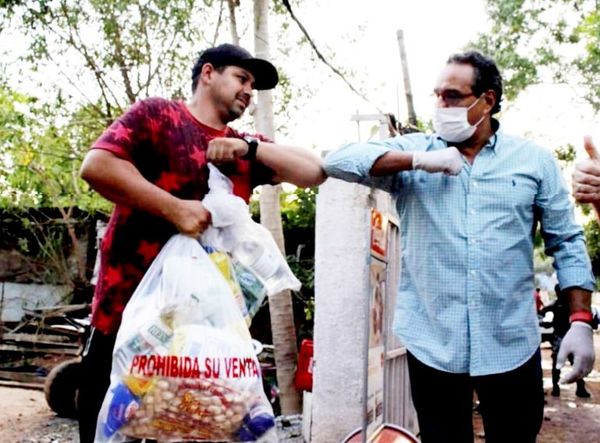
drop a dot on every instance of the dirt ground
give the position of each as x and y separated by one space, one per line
568 418
25 417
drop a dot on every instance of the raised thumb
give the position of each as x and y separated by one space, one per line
588 144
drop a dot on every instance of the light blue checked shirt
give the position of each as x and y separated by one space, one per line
465 298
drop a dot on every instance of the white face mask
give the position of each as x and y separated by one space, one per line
452 124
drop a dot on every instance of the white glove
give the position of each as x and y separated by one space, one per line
579 342
449 161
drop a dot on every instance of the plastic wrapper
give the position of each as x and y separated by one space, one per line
260 267
184 367
228 270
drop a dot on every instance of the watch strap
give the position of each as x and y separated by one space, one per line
252 147
585 316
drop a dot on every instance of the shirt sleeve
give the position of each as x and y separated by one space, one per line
126 133
353 162
563 236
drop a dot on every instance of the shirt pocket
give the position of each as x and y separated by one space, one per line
516 192
423 184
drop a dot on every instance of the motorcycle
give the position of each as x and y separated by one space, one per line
61 385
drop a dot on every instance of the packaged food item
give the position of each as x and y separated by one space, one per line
265 262
225 265
249 243
253 288
256 423
189 372
121 410
154 337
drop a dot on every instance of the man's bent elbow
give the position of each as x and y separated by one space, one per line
96 164
313 179
86 169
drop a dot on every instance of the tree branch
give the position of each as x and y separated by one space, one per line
287 5
235 37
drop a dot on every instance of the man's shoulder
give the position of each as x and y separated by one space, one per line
516 142
158 101
154 104
418 141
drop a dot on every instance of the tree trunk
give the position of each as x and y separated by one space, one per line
235 37
280 305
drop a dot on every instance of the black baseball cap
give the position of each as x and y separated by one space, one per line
265 74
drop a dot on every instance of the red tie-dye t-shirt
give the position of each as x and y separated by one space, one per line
167 144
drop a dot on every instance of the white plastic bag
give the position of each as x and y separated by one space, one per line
184 367
250 244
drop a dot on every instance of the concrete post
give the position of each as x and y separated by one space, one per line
341 283
341 297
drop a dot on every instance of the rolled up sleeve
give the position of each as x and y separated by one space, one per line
563 236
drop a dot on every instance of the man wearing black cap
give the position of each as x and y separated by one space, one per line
152 163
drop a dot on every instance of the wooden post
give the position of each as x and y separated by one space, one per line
412 116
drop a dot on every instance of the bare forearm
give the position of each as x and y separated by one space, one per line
292 164
579 299
392 162
120 182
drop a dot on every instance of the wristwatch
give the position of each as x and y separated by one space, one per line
252 146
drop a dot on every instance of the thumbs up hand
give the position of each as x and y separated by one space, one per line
586 176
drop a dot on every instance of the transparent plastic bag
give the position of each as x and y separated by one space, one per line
184 367
251 245
224 263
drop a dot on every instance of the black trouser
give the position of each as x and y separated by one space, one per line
95 380
511 403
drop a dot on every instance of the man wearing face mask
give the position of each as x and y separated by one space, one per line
469 199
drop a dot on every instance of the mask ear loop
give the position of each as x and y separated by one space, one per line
473 104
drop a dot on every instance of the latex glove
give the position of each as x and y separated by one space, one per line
449 161
579 342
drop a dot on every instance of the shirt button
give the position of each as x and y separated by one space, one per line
472 211
472 272
474 184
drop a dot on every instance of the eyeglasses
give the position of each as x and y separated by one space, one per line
451 97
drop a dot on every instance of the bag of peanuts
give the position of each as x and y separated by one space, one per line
184 367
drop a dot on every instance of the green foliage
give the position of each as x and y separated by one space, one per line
592 237
565 154
127 49
538 40
101 56
588 65
109 53
45 246
40 158
530 39
298 217
298 208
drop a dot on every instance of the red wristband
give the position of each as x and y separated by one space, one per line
585 316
